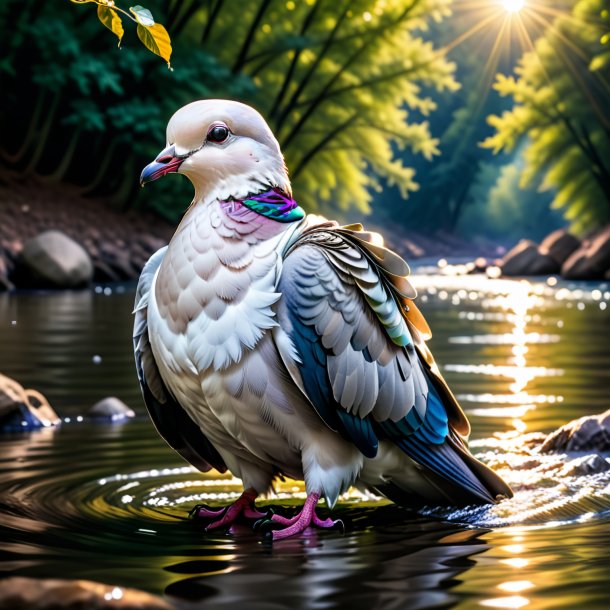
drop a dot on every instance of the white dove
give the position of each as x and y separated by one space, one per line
272 343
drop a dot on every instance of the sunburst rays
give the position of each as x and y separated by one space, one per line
513 26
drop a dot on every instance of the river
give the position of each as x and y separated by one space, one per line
108 502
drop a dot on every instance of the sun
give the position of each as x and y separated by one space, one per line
512 6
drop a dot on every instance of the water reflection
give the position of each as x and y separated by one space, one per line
74 346
109 502
512 302
389 564
91 523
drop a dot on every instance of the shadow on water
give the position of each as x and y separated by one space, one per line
109 503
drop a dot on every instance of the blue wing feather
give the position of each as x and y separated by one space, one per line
314 373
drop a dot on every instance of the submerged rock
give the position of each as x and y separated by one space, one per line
23 409
585 434
52 259
112 408
588 464
54 594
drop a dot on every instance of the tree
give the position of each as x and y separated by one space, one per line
561 96
475 32
338 81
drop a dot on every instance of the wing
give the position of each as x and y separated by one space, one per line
357 352
171 420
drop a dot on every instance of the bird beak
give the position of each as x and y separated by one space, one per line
166 163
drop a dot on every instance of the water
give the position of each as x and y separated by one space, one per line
108 502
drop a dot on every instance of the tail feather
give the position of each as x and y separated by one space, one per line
494 484
448 471
444 460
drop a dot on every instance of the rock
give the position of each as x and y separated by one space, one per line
52 259
576 266
112 408
23 409
599 253
585 434
559 245
119 261
525 259
591 261
588 464
54 594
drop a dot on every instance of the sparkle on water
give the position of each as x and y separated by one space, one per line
108 502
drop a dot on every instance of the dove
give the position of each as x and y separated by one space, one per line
274 343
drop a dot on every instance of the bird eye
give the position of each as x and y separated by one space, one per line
218 134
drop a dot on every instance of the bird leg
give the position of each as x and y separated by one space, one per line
226 516
300 522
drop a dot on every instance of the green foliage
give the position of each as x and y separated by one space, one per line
328 78
446 180
561 107
327 75
602 59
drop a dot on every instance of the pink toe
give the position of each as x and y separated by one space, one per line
285 520
291 530
324 523
227 519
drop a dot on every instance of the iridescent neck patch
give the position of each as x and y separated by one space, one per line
276 205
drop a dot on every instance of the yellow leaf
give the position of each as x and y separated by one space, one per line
156 39
110 18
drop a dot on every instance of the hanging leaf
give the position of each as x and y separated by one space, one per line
143 15
156 39
110 18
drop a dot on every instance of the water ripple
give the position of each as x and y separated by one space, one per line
109 503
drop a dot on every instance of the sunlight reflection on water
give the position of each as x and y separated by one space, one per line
109 502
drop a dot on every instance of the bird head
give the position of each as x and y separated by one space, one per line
225 148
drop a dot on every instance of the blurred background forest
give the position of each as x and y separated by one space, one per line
484 119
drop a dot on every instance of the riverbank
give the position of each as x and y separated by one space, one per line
115 245
118 243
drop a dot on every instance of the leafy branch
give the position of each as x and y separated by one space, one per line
152 35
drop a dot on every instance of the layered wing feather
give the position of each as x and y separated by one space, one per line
171 420
357 352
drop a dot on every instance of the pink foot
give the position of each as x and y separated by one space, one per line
300 522
228 515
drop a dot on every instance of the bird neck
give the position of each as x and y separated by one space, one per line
274 204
